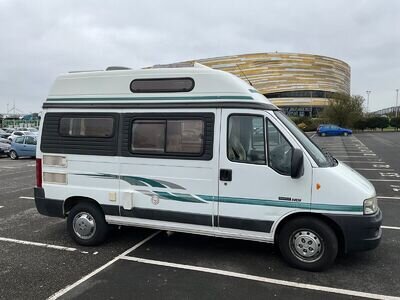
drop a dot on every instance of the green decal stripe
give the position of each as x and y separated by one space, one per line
94 99
337 207
275 203
179 197
132 181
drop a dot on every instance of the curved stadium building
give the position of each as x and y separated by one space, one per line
300 84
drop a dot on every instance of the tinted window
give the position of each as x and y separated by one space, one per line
19 140
246 141
279 150
148 136
86 127
162 85
168 136
30 140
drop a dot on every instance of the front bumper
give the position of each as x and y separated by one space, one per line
360 233
48 207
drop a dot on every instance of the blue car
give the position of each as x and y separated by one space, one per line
329 129
23 146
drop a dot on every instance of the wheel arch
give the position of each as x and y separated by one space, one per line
331 223
70 202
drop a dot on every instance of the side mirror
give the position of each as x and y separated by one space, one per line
297 169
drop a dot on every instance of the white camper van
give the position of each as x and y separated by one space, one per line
200 151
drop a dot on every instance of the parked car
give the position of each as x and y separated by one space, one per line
4 134
329 129
5 141
33 130
23 146
19 133
4 148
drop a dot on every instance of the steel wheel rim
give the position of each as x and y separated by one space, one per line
84 225
13 155
306 245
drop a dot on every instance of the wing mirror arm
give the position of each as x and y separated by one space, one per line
297 168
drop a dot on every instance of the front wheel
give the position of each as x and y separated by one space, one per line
308 244
13 155
323 134
86 224
345 134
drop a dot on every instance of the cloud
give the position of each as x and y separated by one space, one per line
40 39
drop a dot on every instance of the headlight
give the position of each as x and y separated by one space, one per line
370 206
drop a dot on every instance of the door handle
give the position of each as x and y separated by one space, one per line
225 175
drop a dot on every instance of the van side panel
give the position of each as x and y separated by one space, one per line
79 166
167 187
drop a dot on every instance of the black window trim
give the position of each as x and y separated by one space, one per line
176 116
161 79
88 116
267 119
227 138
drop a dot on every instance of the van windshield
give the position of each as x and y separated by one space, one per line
322 158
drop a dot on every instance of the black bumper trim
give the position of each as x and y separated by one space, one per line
48 207
361 232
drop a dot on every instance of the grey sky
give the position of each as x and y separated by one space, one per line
40 39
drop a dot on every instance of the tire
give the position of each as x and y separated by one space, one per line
345 134
86 224
323 134
314 234
13 155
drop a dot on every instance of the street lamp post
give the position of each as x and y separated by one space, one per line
368 92
397 101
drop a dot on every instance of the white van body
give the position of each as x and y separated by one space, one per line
166 159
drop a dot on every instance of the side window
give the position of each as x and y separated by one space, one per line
30 140
246 139
279 150
19 140
87 127
148 136
168 137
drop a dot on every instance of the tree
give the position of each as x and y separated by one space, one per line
360 124
377 122
344 110
395 122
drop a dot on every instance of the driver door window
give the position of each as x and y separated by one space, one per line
246 139
279 150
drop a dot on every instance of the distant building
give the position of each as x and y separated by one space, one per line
300 84
388 111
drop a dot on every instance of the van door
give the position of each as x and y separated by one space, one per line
169 168
255 186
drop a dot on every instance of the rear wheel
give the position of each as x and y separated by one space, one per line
13 155
308 244
345 134
86 224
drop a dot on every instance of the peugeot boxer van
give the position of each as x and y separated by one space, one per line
200 151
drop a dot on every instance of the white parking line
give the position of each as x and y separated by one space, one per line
24 197
260 279
1 206
385 180
362 161
391 227
83 279
366 169
3 239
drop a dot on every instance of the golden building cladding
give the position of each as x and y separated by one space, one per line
298 83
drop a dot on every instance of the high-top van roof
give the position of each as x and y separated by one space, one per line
124 86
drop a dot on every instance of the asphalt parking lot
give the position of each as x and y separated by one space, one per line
38 259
